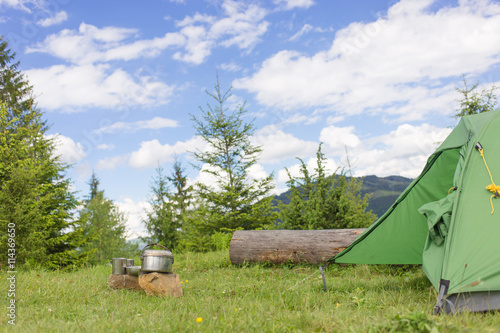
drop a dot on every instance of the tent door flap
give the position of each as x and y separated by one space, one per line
438 214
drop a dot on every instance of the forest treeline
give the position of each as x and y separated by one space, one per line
43 223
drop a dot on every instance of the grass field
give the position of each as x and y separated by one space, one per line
219 297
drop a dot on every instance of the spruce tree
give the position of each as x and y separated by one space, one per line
168 209
94 186
235 201
104 225
35 198
181 198
162 220
321 201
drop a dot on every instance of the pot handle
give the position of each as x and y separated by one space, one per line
151 244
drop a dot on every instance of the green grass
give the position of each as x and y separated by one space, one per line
250 298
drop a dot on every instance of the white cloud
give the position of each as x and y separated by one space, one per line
153 152
300 118
409 140
338 138
242 25
154 123
403 151
394 62
257 171
230 67
85 46
73 87
23 5
134 212
334 119
142 48
110 163
278 145
205 177
69 151
197 46
291 4
59 17
83 170
106 146
305 29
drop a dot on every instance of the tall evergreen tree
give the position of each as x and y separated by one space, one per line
15 90
35 197
104 224
181 198
321 201
94 185
160 222
235 201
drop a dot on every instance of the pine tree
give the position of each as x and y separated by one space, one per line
35 198
319 201
104 225
235 201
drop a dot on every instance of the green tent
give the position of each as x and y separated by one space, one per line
444 220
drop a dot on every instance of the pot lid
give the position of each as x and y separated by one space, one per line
157 253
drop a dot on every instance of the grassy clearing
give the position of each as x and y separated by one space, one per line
251 298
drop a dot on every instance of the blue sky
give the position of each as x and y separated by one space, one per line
118 80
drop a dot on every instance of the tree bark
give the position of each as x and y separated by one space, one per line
282 246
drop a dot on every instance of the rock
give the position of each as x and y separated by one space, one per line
161 284
124 282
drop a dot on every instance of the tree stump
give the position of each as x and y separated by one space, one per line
161 284
124 281
282 246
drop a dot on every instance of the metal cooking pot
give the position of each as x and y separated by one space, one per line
133 270
118 266
156 260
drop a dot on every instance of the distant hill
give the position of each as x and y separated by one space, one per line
384 192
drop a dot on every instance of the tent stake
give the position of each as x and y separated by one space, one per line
323 275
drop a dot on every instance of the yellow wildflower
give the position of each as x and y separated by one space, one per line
199 320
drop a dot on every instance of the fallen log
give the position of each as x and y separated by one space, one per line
282 246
